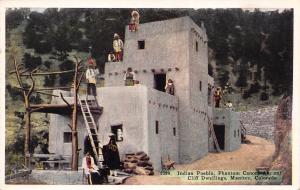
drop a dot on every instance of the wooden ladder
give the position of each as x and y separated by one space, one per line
212 131
243 132
91 129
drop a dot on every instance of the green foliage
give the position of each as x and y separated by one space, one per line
35 99
48 64
31 62
13 18
210 70
14 92
66 79
50 80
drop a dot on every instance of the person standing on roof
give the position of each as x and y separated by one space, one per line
91 77
170 87
129 77
134 22
118 47
218 96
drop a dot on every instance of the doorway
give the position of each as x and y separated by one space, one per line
220 135
160 82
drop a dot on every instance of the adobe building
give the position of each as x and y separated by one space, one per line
143 116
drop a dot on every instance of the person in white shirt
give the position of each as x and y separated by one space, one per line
91 77
91 170
118 47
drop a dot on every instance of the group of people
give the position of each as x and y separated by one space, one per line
118 45
111 164
218 96
130 80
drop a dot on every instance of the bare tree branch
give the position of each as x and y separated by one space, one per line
62 97
51 73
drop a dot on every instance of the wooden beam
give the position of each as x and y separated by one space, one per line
54 88
51 73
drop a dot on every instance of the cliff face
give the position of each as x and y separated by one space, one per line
282 158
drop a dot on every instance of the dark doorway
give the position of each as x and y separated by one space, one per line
160 82
220 135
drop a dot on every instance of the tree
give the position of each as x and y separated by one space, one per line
66 79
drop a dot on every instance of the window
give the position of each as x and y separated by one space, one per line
160 82
156 127
67 137
196 45
174 131
117 130
141 44
200 85
234 133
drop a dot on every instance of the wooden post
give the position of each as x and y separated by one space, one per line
74 121
27 131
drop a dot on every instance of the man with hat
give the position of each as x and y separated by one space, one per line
218 96
135 20
111 155
118 47
91 77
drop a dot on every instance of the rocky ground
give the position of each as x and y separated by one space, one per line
260 122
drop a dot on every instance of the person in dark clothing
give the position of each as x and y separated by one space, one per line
218 97
111 156
129 77
170 87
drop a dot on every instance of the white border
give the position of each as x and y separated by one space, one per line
156 4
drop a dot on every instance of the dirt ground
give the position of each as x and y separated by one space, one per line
248 157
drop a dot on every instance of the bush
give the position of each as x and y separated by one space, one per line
36 99
48 64
43 47
254 88
31 62
13 19
264 96
66 79
14 92
50 80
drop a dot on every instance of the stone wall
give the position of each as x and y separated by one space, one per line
260 122
53 177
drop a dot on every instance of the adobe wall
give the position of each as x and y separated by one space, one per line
231 120
59 125
163 108
131 107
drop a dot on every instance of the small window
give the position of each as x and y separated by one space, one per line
174 131
196 45
117 130
156 127
200 85
234 133
67 137
141 44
